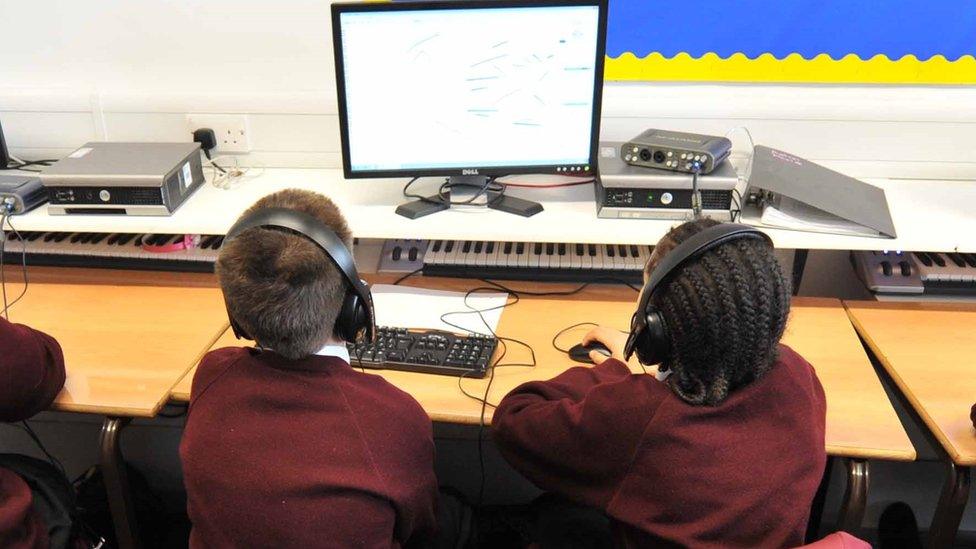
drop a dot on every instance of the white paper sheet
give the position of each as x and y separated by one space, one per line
403 307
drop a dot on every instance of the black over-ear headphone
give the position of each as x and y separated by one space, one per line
356 318
649 336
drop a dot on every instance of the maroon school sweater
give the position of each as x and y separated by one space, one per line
741 474
304 453
31 375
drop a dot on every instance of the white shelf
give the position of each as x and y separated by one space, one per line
928 215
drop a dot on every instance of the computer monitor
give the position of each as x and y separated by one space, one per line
485 88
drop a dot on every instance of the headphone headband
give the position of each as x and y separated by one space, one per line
325 238
689 250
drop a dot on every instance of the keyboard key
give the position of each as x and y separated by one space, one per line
490 248
124 239
591 250
50 236
622 250
610 251
924 258
957 259
937 258
970 259
579 249
507 249
98 238
520 248
450 246
466 248
550 248
562 249
478 246
437 245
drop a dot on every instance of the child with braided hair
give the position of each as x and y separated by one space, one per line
723 447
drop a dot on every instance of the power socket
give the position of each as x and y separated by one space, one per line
230 129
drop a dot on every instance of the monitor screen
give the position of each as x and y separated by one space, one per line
469 87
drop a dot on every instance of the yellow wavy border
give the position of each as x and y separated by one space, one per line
793 68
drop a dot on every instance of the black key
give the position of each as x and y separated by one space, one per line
520 248
886 268
76 237
61 237
490 248
957 259
412 254
537 248
50 236
450 246
622 250
634 252
125 238
970 259
13 236
111 240
34 236
550 248
591 250
478 246
467 247
507 249
139 239
924 258
579 250
610 252
397 252
98 238
88 238
906 268
562 249
437 245
937 258
208 240
218 243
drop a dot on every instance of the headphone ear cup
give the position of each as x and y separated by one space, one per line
653 343
347 324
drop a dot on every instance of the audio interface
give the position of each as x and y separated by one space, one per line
676 151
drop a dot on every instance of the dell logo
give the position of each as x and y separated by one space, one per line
469 171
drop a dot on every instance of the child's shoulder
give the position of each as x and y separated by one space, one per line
215 363
376 392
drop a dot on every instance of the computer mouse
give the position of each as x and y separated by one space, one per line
581 353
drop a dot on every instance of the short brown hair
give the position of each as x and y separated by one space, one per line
281 287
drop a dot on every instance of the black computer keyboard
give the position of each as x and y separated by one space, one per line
427 351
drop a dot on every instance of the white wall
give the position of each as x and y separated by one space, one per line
72 71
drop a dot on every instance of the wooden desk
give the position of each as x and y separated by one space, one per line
861 423
928 349
125 345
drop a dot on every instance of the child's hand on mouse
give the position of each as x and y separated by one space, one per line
615 340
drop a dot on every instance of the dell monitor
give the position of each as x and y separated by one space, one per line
467 89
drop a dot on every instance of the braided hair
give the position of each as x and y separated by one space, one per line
725 312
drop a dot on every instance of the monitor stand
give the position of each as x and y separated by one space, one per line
466 187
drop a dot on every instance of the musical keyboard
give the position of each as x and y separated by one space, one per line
537 261
160 252
917 273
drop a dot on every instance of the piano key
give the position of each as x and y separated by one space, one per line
98 238
937 258
508 248
970 259
579 250
466 247
76 237
562 249
478 246
436 247
591 250
957 259
450 246
924 258
490 248
50 236
124 239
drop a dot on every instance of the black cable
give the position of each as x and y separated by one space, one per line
37 440
489 186
566 329
737 212
206 152
3 251
23 258
408 275
574 291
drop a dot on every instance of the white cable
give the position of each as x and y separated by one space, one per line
744 173
233 174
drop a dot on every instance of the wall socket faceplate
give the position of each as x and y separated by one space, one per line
231 131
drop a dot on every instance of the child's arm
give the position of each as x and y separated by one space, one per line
31 371
577 433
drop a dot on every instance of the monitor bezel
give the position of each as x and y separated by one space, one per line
492 171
